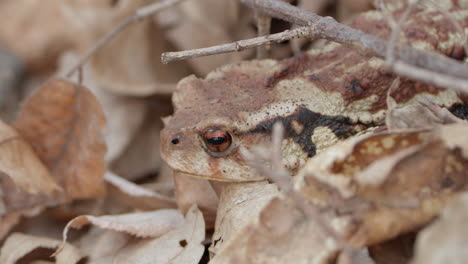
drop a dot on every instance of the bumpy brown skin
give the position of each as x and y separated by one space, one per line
320 96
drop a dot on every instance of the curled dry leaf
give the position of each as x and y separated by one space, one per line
445 240
145 224
279 234
100 245
182 245
19 245
64 124
137 196
239 204
378 187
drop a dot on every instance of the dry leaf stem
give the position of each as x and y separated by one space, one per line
139 15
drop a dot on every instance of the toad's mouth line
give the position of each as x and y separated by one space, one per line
205 177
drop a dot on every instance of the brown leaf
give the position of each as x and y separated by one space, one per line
145 224
182 245
445 240
19 245
64 123
386 184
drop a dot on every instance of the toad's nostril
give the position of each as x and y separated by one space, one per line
175 140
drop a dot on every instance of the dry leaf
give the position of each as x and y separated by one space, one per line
36 37
445 240
190 191
25 183
100 245
137 70
21 166
145 224
239 204
20 245
425 114
138 196
182 245
12 72
206 23
280 234
142 156
124 114
64 123
419 172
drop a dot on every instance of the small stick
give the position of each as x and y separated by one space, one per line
263 28
396 27
328 28
139 15
435 78
238 45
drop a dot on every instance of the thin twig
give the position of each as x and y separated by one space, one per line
395 27
435 78
139 15
263 28
328 28
238 45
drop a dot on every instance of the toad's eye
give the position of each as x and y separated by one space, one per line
217 140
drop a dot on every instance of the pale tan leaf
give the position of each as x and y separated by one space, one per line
190 191
145 224
37 37
239 204
142 155
139 196
227 21
137 69
279 234
445 240
182 245
19 162
101 246
64 123
19 245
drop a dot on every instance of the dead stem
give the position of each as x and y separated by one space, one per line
139 15
328 28
263 28
237 46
